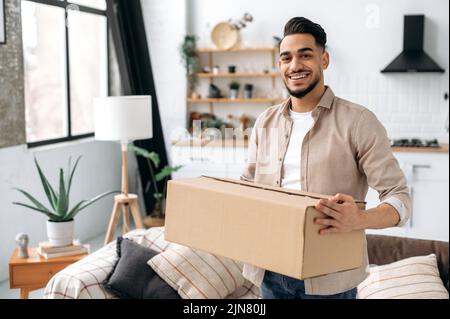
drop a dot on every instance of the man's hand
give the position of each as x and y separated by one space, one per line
344 215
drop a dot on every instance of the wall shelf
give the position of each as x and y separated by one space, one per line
263 73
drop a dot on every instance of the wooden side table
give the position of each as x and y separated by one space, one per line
34 272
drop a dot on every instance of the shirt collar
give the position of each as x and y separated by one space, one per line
326 101
327 98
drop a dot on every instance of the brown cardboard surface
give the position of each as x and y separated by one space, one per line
261 225
341 249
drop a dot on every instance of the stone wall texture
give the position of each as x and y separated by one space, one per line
12 107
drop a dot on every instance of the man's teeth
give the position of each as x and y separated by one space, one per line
297 77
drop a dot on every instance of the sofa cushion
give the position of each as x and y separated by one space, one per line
410 278
132 278
196 274
387 249
152 238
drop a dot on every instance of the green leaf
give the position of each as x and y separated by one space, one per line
69 183
85 203
166 171
34 201
75 210
154 157
49 215
158 196
68 171
47 187
62 198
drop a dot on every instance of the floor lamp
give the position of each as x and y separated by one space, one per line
123 119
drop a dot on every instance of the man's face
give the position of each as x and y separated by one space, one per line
302 63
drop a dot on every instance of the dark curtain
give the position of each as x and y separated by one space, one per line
127 28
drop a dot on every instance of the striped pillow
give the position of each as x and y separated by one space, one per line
410 278
196 274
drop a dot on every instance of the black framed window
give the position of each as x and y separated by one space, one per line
65 49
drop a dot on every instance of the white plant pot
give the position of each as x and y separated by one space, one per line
60 234
234 94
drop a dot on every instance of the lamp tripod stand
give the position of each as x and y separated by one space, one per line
124 203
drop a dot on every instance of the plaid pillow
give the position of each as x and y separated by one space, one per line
197 274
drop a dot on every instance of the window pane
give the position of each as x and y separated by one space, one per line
43 29
98 4
88 67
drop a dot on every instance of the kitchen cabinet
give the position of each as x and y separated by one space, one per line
428 179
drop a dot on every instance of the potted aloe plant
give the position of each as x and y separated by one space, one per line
60 224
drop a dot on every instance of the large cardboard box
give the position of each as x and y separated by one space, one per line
269 227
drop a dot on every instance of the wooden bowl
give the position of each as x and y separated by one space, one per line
224 36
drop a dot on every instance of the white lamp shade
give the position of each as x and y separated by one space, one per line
123 118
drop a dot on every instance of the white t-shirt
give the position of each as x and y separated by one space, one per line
291 165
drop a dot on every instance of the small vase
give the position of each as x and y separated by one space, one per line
60 234
234 94
248 94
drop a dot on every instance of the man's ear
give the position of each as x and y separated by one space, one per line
325 60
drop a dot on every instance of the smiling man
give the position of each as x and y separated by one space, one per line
323 144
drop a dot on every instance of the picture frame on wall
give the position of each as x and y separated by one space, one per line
2 22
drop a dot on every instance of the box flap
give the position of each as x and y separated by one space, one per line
231 186
275 189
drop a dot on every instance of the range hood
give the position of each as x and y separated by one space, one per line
413 58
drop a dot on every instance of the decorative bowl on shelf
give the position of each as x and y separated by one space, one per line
225 36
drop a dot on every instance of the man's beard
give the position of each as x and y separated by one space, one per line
302 93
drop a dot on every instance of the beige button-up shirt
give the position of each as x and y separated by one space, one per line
345 151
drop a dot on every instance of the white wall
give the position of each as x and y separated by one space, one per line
165 26
98 171
363 37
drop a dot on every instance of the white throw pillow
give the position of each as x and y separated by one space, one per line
197 274
152 238
410 278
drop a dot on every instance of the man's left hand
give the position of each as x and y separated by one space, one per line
344 215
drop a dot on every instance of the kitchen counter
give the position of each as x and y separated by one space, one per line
442 149
243 144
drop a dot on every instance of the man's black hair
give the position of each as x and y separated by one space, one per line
303 25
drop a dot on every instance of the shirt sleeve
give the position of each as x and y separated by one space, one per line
399 207
376 160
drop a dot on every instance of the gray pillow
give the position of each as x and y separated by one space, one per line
131 277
